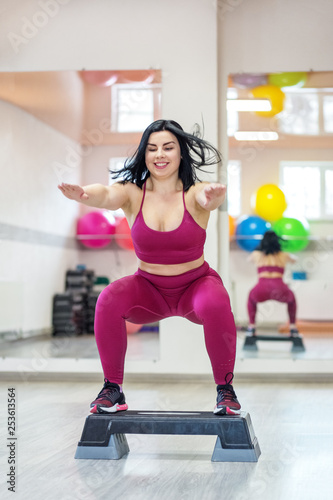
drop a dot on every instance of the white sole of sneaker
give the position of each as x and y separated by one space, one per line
225 410
106 409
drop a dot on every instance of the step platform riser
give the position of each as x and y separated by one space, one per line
104 435
250 343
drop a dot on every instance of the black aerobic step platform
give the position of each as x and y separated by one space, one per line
103 435
250 343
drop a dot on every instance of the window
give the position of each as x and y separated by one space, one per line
328 113
234 188
308 187
134 106
307 112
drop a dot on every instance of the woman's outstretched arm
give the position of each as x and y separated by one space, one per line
97 195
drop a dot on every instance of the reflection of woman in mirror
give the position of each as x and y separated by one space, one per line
167 209
270 262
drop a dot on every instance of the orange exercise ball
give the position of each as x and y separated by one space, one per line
232 226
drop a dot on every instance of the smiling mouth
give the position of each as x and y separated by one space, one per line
160 165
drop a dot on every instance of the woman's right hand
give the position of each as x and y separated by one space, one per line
73 192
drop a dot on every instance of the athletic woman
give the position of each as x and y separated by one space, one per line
271 262
167 209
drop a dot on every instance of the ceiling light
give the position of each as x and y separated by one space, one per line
256 136
249 105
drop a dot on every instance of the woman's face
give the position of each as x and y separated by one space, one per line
163 154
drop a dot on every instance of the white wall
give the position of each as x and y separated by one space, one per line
37 225
267 36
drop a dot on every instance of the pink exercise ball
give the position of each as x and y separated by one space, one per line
94 224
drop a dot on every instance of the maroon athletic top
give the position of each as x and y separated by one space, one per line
271 269
183 244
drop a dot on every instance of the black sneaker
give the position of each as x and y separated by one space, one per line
294 332
109 400
250 332
226 401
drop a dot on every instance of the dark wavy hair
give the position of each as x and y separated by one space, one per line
270 243
195 153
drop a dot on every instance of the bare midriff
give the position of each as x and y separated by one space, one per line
171 269
267 274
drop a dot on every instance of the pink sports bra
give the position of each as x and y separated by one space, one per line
183 244
271 269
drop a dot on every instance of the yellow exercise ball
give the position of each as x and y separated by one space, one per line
275 96
269 202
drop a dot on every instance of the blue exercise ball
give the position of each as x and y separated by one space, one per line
249 231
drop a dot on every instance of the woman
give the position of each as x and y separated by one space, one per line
270 262
168 212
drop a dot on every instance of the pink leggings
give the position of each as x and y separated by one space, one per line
198 295
271 289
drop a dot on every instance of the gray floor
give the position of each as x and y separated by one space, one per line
293 423
145 345
141 345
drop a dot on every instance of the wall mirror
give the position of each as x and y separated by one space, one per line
280 133
69 126
79 107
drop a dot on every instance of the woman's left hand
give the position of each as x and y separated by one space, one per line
212 195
